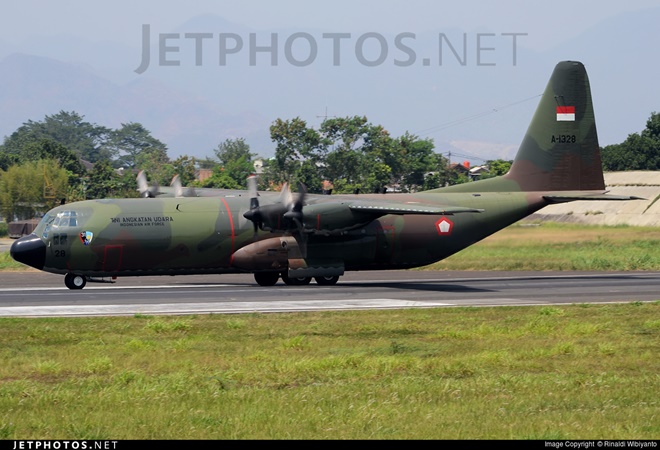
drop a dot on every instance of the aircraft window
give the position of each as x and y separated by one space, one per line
48 220
66 219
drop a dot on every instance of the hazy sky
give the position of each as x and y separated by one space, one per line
548 23
106 39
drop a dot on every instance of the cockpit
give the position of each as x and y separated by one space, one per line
61 221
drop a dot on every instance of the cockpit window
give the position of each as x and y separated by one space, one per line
46 222
73 222
63 220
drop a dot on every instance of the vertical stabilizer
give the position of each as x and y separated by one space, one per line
560 150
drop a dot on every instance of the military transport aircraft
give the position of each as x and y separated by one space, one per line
296 237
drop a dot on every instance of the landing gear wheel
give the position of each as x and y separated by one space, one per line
266 278
326 281
73 281
298 281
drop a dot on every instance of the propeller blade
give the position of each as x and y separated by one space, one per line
253 213
285 195
252 190
300 199
178 188
295 214
143 186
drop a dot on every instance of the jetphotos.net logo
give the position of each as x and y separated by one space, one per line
302 49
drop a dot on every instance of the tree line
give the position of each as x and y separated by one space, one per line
65 158
640 151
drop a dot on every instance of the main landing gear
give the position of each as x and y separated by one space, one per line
271 278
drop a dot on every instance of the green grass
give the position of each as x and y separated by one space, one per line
7 263
569 372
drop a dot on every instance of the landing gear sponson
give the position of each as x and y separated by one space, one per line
271 278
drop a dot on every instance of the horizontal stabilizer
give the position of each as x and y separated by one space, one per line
566 197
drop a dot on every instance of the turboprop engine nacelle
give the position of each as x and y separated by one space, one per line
268 254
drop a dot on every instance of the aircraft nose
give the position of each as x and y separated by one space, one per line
29 250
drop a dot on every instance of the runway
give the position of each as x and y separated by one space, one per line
37 294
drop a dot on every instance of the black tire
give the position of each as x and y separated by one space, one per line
298 281
266 278
74 282
326 281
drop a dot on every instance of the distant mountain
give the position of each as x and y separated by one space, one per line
33 87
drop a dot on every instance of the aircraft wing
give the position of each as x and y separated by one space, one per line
383 208
338 216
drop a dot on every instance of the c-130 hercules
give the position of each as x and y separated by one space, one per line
297 237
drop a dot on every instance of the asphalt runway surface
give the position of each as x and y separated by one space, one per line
38 294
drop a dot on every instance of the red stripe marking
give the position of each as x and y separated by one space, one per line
105 256
231 224
318 221
565 109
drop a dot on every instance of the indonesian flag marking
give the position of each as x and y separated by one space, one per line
565 113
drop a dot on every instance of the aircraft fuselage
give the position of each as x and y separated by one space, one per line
171 236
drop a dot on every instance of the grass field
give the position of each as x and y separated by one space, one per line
544 373
555 373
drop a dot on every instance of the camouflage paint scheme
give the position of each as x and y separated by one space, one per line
324 235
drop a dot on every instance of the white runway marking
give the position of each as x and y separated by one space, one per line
102 288
218 308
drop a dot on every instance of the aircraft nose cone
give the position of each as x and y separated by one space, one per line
29 250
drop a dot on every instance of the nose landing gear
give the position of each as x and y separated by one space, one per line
73 281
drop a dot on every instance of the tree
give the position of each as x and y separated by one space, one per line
295 142
184 166
31 187
232 150
652 129
640 151
7 160
134 144
347 160
49 149
85 140
417 159
309 176
498 167
220 179
105 182
156 164
236 159
101 180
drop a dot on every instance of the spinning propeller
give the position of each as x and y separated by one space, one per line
144 189
285 214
